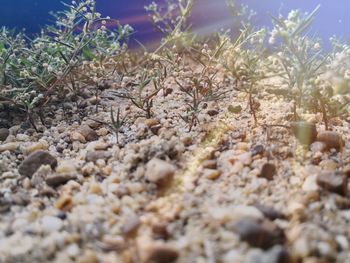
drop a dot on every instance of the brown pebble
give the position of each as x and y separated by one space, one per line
331 140
268 171
212 112
160 253
332 182
88 133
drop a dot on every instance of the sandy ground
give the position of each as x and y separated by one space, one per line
228 191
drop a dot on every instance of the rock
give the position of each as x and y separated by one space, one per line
64 203
131 226
93 156
33 162
245 158
66 167
11 146
276 254
263 234
35 147
305 132
151 122
89 257
210 164
331 140
4 133
258 149
318 147
59 179
51 224
88 133
310 184
268 171
328 165
333 182
159 172
76 136
270 212
212 112
95 188
157 252
211 174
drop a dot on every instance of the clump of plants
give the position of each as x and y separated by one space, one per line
35 72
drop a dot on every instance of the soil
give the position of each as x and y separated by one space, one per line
230 190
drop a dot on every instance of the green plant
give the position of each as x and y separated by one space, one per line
139 96
36 71
172 22
118 123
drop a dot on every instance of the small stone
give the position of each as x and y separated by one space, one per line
64 203
211 174
76 136
331 140
159 172
35 147
88 133
11 146
101 146
268 171
4 133
95 188
151 122
51 223
270 212
33 162
245 158
210 164
73 250
318 147
131 226
113 243
258 149
263 234
59 179
328 165
89 257
93 156
212 112
157 252
333 182
310 184
155 129
66 167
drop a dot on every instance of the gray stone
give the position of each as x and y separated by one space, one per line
33 162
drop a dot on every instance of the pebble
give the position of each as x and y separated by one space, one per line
158 252
131 226
331 140
329 165
11 146
88 133
318 147
333 182
4 133
310 184
212 112
66 167
51 224
35 147
33 162
93 156
211 174
258 149
268 171
263 234
59 179
270 212
159 172
76 136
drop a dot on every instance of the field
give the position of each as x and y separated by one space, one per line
225 148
